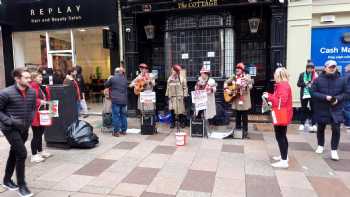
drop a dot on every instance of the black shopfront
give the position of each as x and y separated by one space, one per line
219 33
98 18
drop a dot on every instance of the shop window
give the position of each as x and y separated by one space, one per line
199 44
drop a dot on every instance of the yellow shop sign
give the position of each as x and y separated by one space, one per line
197 4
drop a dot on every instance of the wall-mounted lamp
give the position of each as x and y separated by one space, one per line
254 25
149 29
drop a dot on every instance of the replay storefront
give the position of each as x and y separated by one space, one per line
332 43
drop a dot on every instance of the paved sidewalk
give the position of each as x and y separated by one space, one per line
151 166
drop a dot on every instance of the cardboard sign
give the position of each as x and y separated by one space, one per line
147 97
199 99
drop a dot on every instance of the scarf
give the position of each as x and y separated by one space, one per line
307 79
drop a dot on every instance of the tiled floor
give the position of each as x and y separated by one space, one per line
152 166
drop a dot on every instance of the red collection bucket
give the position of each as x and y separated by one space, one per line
180 138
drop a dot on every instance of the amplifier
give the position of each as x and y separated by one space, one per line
148 125
197 127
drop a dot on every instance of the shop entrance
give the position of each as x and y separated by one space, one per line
65 48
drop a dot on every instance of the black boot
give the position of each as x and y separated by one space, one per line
245 134
172 124
173 119
182 121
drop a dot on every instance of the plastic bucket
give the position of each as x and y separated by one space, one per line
180 138
45 118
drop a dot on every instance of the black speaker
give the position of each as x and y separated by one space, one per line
148 125
197 127
68 113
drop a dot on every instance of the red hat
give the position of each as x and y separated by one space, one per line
240 66
205 70
143 65
177 68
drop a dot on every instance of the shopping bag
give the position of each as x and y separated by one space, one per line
280 116
83 105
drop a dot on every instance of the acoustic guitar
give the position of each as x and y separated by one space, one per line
139 86
228 97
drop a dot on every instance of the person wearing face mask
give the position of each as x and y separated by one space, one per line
329 93
304 83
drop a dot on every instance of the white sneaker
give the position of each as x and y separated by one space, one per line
301 127
36 159
280 164
278 158
45 154
313 128
334 155
319 150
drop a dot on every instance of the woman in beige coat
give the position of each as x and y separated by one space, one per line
176 92
242 103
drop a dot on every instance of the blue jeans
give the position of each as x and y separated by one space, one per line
119 118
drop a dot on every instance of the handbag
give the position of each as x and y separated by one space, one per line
280 116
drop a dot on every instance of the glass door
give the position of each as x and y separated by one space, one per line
60 51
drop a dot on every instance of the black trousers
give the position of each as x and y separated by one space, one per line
307 112
37 141
17 155
242 116
281 137
335 135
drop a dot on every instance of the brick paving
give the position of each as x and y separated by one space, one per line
152 166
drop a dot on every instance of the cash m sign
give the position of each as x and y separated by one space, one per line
197 4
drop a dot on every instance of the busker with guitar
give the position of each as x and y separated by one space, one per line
237 91
209 85
176 91
145 81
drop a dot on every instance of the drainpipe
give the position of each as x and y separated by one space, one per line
121 44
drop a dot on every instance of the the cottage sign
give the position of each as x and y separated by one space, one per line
197 4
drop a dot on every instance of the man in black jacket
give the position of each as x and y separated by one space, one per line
17 107
118 85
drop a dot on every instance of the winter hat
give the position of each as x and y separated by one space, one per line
330 63
240 66
143 65
177 68
310 64
205 70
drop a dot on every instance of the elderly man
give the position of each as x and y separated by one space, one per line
329 94
118 85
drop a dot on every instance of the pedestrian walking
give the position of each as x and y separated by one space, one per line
347 101
304 83
118 85
329 94
38 155
242 102
17 107
176 92
281 100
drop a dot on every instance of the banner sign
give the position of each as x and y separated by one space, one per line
54 14
147 97
199 99
330 44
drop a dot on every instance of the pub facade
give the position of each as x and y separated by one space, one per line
215 33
